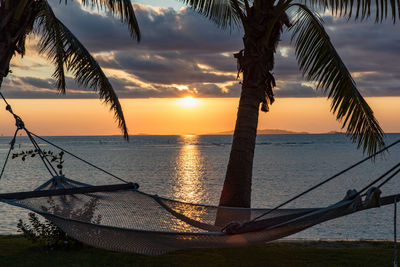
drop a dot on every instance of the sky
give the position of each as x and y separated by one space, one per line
181 54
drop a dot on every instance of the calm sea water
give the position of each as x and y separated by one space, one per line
192 168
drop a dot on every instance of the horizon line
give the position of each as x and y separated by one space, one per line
211 134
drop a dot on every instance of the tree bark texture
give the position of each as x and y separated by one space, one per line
256 62
6 45
16 21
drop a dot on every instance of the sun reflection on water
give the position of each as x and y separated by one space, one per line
189 177
189 171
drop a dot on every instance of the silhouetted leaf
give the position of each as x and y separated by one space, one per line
61 46
320 63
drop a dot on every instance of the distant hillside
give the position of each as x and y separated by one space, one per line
335 132
263 131
278 131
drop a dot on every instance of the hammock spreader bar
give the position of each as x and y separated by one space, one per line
69 191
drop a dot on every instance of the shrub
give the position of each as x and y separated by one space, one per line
46 234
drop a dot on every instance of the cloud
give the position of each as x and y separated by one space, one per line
295 89
32 87
161 69
37 82
181 49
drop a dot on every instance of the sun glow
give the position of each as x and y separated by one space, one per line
188 102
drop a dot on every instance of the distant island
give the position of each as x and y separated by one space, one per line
275 131
263 131
334 132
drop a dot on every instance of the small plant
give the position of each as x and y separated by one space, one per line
46 234
54 157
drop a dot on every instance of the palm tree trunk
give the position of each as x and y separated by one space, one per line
237 186
236 191
256 62
5 56
15 22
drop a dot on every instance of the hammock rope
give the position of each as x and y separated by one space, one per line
79 158
333 177
12 143
21 126
388 179
380 178
43 157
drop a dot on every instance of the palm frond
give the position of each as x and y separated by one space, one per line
119 8
52 44
64 49
224 13
320 63
359 9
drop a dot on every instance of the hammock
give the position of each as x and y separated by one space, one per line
119 217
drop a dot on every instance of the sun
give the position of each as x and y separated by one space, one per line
188 102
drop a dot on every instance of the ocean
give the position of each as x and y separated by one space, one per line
191 168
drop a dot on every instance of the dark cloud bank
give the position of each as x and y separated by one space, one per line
182 48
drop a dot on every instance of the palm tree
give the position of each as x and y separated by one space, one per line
263 22
19 18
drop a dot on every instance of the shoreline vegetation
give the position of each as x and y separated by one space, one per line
15 250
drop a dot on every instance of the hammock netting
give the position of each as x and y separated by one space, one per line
132 221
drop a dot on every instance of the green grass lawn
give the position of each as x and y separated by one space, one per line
17 251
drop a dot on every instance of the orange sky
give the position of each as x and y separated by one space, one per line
170 116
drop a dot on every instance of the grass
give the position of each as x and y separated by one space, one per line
18 251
